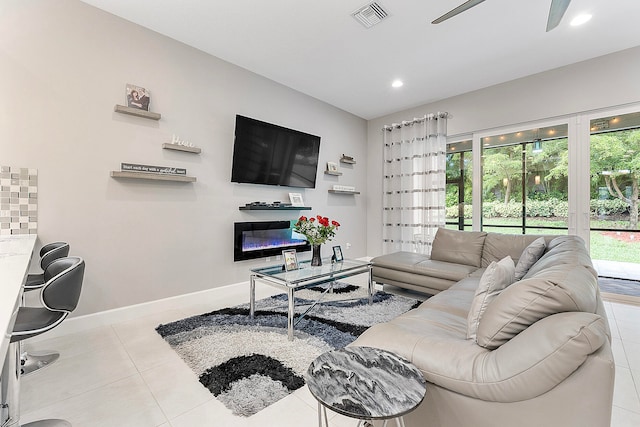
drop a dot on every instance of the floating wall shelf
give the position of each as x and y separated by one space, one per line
136 112
336 173
347 161
177 147
153 176
343 192
274 208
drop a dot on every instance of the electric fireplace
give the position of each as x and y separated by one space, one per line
266 238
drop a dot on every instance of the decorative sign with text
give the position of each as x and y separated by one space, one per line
132 167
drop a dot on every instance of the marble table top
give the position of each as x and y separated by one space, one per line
366 383
15 257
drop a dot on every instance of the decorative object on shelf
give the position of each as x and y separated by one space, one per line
332 167
317 230
132 167
290 259
262 206
177 141
337 187
337 254
347 159
138 97
296 199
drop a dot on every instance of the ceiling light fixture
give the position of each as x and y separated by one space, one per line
397 83
580 19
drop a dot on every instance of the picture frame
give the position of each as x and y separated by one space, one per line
290 258
138 97
296 199
337 254
332 166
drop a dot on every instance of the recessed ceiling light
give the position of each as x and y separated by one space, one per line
580 19
397 83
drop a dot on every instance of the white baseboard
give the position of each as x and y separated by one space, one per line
132 312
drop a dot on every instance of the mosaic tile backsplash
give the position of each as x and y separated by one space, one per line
18 200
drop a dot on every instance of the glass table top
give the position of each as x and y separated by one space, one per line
307 272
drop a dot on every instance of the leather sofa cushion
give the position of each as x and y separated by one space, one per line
563 250
458 247
498 246
556 289
495 279
421 264
534 362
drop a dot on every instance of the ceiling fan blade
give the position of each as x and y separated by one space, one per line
558 8
464 6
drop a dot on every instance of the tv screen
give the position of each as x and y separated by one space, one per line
264 153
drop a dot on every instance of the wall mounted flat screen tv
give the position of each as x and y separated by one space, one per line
264 153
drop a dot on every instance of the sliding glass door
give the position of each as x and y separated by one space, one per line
614 195
525 181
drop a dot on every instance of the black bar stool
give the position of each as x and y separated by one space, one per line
60 296
48 253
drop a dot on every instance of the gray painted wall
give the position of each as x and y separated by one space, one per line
64 67
603 82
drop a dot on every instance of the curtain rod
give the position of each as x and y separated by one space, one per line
430 116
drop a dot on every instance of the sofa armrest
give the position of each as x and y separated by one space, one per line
530 364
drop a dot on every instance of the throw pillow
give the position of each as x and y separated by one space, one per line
530 256
495 279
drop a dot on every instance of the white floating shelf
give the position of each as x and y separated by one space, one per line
347 161
136 112
336 173
177 147
152 176
343 192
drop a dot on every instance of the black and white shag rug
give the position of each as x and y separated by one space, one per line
250 364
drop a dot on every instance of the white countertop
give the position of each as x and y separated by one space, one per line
15 257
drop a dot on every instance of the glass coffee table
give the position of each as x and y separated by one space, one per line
304 277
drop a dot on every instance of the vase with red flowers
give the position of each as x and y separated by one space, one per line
317 230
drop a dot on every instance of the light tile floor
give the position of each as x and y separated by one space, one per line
126 375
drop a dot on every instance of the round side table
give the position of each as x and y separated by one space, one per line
365 383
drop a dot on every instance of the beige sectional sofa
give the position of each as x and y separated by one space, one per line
540 352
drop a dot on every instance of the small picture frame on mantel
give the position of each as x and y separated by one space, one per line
296 199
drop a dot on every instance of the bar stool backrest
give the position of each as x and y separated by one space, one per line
51 252
63 283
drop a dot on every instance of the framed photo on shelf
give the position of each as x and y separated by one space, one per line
296 199
332 166
137 97
337 254
290 259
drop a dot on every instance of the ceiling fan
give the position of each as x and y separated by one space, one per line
558 8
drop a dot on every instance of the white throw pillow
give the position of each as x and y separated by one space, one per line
495 279
530 256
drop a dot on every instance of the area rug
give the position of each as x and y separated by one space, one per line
250 364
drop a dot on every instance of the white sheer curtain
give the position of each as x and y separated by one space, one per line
414 183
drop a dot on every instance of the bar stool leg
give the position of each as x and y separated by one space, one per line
10 393
48 423
33 362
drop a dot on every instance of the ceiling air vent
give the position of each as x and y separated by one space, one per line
370 14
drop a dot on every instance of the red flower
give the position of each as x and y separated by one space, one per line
335 223
312 219
302 218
